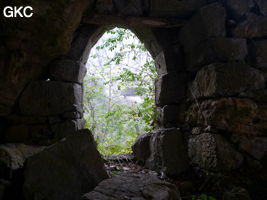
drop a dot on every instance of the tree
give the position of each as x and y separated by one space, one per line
119 66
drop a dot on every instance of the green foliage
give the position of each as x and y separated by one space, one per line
203 197
119 63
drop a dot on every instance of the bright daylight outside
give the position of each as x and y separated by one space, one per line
119 91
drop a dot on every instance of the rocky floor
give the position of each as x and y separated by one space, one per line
128 180
132 179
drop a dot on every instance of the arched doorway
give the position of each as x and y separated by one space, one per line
119 94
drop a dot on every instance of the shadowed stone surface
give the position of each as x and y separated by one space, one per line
141 147
43 98
214 50
241 116
65 170
67 70
208 22
253 27
230 79
255 146
170 88
130 7
169 116
28 45
262 5
259 53
134 187
175 8
213 152
239 8
66 128
38 134
14 155
168 152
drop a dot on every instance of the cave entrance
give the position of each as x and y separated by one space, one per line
119 94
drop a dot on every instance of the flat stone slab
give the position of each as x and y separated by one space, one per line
135 187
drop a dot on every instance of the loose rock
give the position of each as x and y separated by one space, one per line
141 147
66 170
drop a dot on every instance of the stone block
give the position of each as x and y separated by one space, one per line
130 7
262 5
29 134
233 115
259 96
216 50
105 7
253 27
13 157
141 147
44 98
72 115
255 146
67 128
174 8
170 116
258 53
222 80
212 152
170 60
168 152
84 40
208 22
171 88
68 71
65 170
239 8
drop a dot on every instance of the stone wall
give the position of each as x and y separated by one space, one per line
210 92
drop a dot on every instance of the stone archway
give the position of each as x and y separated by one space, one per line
211 62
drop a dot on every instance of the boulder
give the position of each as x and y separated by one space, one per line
171 88
230 79
258 53
239 8
252 27
65 170
215 50
175 8
212 152
135 187
168 152
141 147
67 70
234 115
208 22
44 98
